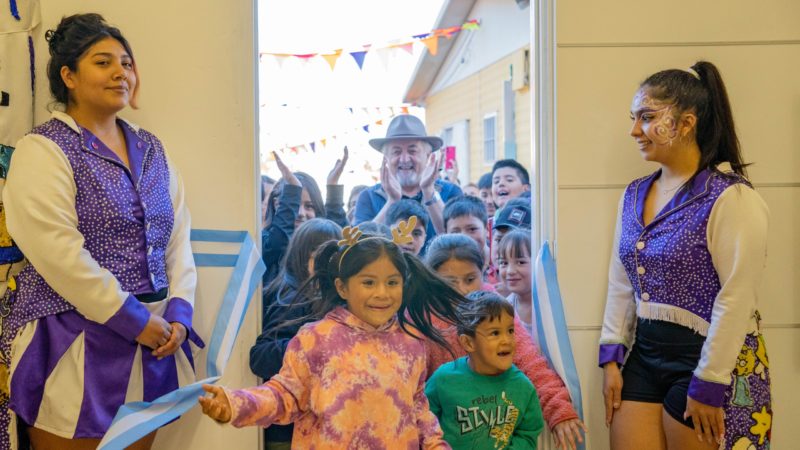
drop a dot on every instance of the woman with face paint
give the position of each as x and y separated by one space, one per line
684 362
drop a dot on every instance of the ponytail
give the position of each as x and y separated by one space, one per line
703 93
424 294
716 133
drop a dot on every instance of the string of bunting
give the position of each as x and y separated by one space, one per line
312 145
429 39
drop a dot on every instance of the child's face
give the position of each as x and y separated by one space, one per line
491 351
506 184
497 236
470 226
488 201
464 276
418 237
516 272
375 293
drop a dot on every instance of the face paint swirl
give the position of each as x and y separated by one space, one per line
653 122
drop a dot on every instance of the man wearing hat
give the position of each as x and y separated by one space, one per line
410 169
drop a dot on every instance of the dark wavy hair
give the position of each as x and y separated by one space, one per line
424 293
308 183
445 247
484 305
707 98
304 242
71 39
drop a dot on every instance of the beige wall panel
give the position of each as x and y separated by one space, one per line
580 21
779 295
196 62
584 349
595 87
586 221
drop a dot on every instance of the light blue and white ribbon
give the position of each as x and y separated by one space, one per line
137 419
550 325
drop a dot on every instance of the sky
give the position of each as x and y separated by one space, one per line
306 101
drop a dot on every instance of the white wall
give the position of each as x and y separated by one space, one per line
197 64
603 51
504 28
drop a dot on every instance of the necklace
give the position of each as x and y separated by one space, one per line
679 184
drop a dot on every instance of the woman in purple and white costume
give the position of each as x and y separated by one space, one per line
101 315
687 259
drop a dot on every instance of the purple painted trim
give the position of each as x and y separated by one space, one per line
130 319
707 392
612 352
15 10
179 310
33 65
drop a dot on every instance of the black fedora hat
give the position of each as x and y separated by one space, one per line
406 126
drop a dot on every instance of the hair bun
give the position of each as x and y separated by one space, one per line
53 37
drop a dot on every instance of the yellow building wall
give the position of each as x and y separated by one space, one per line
472 99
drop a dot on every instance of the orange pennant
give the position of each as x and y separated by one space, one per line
380 122
404 109
432 43
331 58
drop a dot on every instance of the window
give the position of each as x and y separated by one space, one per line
490 138
447 136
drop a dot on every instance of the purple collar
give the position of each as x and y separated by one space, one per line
136 148
685 195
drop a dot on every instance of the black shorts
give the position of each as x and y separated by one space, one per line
660 365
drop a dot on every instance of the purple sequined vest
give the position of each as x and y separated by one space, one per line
106 219
668 261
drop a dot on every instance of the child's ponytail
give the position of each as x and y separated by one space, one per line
425 293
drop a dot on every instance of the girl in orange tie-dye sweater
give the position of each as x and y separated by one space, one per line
355 378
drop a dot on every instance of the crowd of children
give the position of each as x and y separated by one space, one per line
363 344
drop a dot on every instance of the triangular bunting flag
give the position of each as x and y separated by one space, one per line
322 141
306 56
432 43
471 25
380 122
313 146
359 57
421 36
332 58
383 55
280 57
449 32
408 47
404 109
366 128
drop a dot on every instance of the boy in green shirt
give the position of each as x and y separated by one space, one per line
482 400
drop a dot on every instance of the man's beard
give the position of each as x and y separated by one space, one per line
407 178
